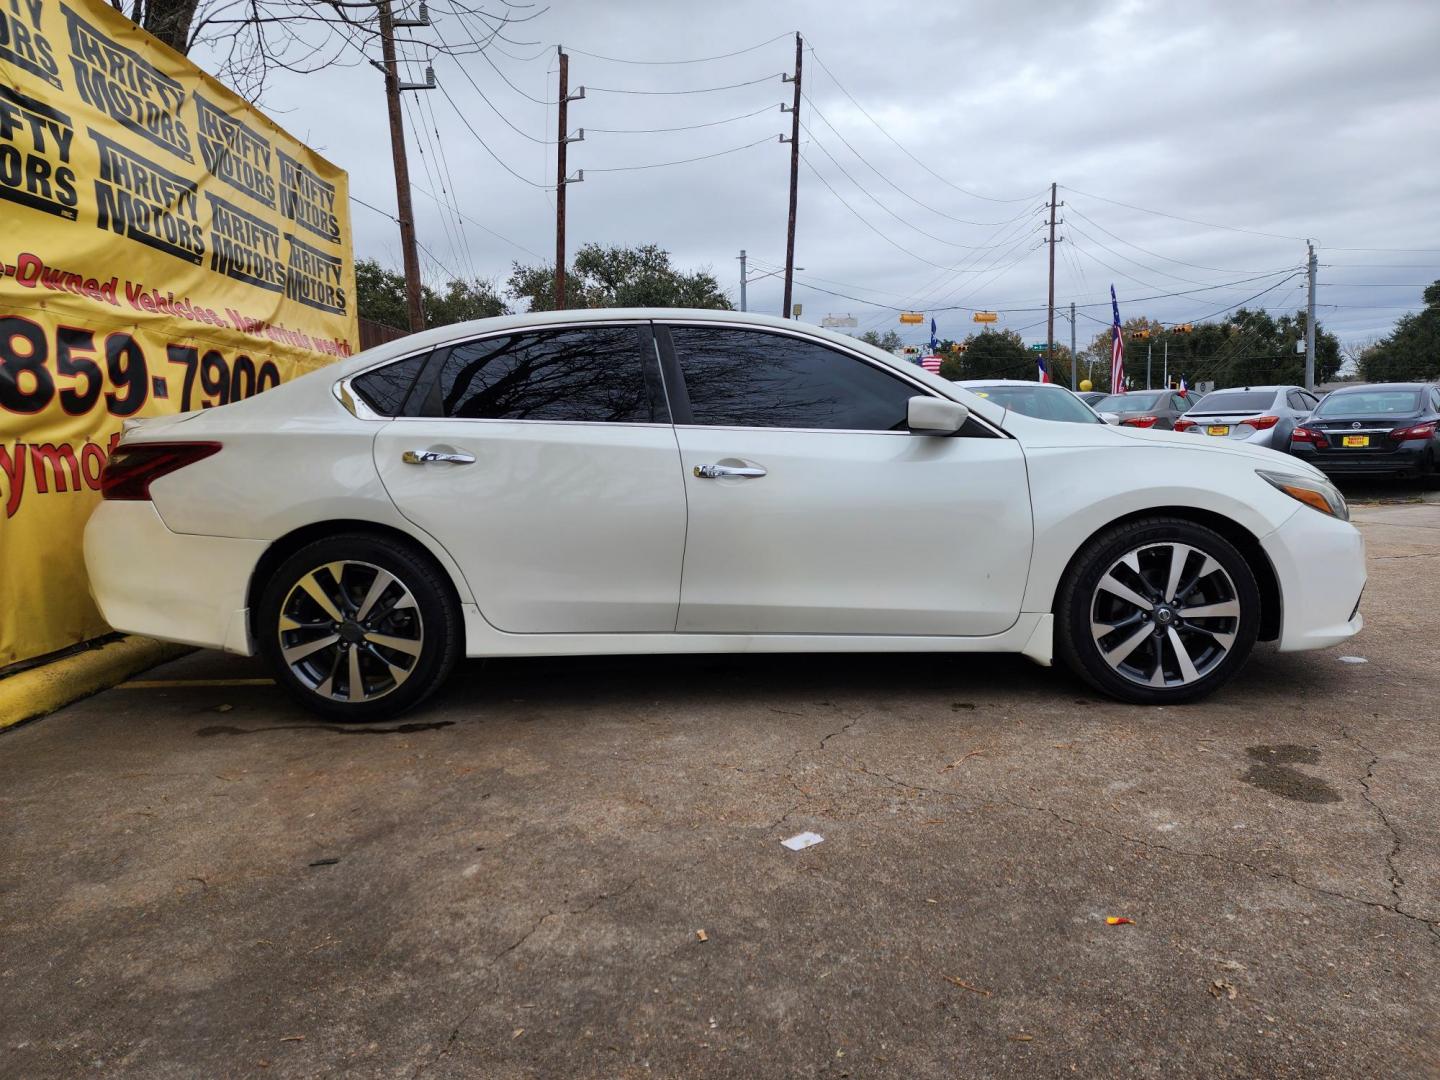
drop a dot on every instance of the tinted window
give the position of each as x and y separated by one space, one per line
1239 401
589 373
1371 403
1298 401
1042 402
1131 402
747 378
385 389
1179 403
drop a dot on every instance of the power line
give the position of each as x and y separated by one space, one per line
1147 251
871 196
479 225
683 161
907 153
869 225
1177 217
963 221
385 213
686 127
1073 228
671 93
508 122
500 161
696 60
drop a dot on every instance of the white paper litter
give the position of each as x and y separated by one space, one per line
800 841
1353 660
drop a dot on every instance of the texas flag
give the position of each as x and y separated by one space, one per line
1043 374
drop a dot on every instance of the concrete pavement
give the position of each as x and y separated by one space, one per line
202 880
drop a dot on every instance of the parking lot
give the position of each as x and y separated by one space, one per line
574 868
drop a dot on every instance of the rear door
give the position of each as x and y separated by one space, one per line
546 465
813 510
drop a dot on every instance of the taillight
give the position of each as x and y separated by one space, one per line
1309 435
1261 423
1140 421
131 469
1419 431
1184 425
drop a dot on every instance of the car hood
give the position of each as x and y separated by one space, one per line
1053 435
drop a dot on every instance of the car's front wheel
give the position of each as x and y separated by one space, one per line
358 627
1158 611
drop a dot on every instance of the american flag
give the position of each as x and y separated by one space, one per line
931 363
1117 348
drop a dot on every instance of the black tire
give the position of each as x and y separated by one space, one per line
1080 598
403 652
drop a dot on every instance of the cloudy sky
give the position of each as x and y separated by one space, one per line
1233 131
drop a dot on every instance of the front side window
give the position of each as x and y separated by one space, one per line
750 378
593 374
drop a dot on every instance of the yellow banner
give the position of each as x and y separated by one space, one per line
163 247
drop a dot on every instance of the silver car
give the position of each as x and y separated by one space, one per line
1157 409
1256 415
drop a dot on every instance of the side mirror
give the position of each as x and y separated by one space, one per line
935 416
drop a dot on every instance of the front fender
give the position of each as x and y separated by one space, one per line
1071 503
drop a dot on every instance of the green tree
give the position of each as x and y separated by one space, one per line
380 294
889 341
608 277
990 354
1412 349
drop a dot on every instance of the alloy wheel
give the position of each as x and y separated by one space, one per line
350 631
1165 615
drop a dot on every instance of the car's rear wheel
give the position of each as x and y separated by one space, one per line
1158 611
358 627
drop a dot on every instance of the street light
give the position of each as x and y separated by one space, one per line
746 278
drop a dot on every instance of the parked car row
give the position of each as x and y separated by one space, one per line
1377 429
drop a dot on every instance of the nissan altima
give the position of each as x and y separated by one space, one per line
663 481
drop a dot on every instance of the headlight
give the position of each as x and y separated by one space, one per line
1318 494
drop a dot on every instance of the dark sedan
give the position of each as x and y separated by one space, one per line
1385 428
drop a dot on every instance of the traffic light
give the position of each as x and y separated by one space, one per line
1140 335
1183 328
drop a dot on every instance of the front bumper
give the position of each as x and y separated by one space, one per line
1319 562
172 586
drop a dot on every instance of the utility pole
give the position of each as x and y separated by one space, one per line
1310 323
1149 355
794 176
1166 369
1074 358
1050 318
742 280
403 206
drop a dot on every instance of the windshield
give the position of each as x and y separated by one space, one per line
1041 402
1128 402
1371 403
1226 401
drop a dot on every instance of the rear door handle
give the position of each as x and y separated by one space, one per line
433 457
715 472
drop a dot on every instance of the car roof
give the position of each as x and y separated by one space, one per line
1412 386
1243 389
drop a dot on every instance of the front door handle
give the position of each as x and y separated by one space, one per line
715 472
432 457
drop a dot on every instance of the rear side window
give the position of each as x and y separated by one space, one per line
749 378
593 374
1297 401
385 388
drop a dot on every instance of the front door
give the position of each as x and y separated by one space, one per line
548 469
813 510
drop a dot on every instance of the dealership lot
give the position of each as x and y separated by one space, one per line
201 879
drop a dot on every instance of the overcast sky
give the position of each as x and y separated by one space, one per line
1295 120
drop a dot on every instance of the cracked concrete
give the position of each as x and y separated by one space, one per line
510 884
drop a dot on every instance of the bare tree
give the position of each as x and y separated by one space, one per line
244 41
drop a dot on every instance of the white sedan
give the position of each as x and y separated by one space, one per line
663 481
